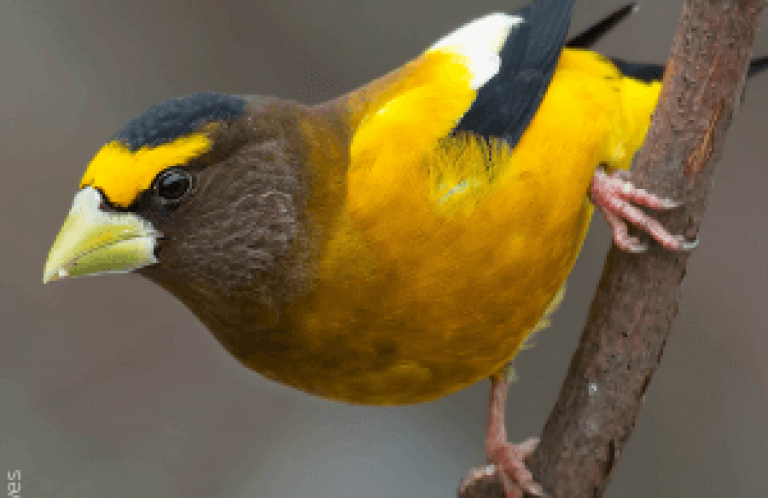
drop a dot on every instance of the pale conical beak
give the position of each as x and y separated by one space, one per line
93 241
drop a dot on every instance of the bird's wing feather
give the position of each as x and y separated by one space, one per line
488 77
506 104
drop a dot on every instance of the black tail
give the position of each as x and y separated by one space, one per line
592 35
655 72
644 72
757 66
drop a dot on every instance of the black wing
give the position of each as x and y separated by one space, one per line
506 104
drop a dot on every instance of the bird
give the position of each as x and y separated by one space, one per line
397 243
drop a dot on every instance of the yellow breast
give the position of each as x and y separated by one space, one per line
448 251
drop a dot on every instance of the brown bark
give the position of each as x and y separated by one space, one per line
631 315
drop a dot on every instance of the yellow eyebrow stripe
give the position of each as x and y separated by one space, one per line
122 174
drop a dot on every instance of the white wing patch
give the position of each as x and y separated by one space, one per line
480 41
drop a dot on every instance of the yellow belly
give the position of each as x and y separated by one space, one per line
437 266
413 331
416 299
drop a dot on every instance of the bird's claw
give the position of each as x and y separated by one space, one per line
613 194
507 466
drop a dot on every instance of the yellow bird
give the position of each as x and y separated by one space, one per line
393 245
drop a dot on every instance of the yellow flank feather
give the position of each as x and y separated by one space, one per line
398 133
122 174
453 236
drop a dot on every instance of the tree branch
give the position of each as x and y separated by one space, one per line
631 316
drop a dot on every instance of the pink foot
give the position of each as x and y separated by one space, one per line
506 461
509 460
612 195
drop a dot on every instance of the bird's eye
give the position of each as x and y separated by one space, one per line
173 184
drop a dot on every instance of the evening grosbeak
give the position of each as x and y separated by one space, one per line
395 244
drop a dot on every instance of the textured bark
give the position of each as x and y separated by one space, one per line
631 315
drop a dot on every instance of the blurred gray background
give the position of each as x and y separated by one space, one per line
109 387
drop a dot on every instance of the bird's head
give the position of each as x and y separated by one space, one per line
201 187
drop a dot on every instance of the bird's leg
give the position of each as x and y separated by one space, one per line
613 194
505 460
